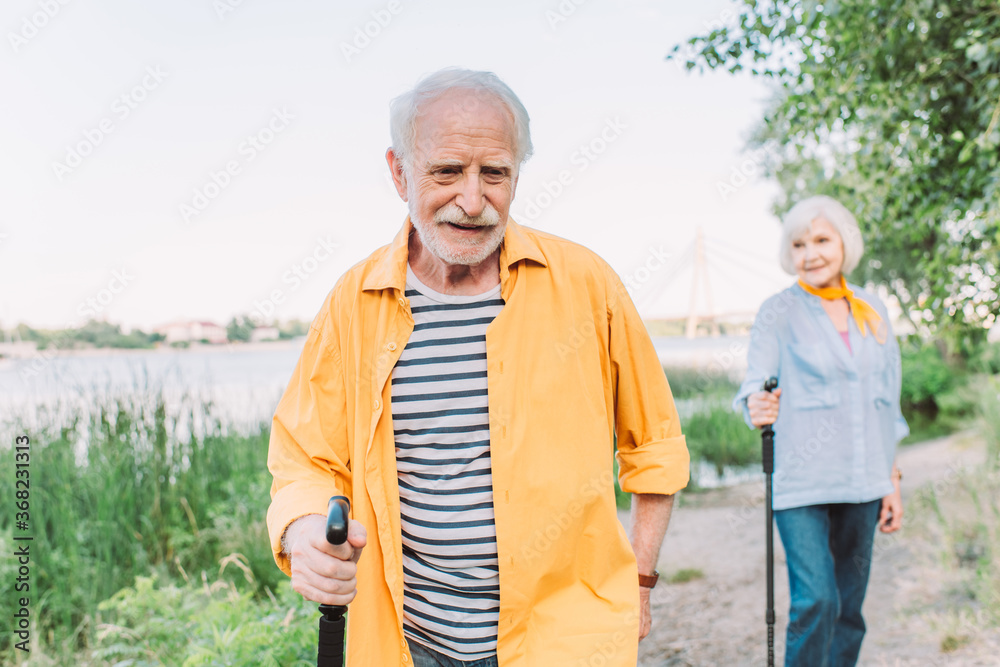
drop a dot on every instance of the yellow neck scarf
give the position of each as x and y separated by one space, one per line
862 311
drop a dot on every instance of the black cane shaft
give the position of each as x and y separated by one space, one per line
767 457
770 555
330 649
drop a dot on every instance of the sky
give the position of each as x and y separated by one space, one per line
199 159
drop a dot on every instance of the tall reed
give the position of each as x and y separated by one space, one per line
137 485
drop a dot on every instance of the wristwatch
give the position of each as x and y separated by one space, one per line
649 580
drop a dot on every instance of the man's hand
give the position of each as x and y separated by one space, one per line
763 407
645 614
322 572
650 517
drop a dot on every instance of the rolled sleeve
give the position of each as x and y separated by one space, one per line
662 466
652 453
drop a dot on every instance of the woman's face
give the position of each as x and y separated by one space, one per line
818 255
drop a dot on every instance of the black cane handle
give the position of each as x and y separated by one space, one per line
767 433
337 512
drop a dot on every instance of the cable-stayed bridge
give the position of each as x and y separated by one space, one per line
708 283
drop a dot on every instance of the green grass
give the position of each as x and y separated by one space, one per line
989 411
939 395
688 382
158 510
685 575
135 489
961 518
721 437
206 624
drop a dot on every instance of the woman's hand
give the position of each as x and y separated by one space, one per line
890 519
763 407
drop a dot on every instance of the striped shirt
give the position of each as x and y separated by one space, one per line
440 415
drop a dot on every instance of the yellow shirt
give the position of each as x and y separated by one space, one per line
569 366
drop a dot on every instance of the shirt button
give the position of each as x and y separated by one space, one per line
406 658
375 404
402 301
391 347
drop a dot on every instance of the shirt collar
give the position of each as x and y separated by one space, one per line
389 271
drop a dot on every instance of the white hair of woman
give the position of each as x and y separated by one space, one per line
405 109
799 220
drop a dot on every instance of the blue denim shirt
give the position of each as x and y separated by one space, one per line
839 419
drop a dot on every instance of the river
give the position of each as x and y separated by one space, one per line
243 381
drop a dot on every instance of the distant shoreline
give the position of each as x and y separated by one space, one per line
160 349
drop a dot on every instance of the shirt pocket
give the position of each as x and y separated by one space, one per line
815 383
880 380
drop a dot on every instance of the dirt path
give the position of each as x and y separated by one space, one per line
719 619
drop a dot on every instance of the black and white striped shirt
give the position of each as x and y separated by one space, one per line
440 414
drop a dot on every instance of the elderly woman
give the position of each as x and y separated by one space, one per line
830 345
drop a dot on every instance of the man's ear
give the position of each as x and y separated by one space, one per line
398 173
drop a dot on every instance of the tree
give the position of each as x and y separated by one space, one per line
893 108
239 329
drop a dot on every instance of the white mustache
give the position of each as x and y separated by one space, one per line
453 214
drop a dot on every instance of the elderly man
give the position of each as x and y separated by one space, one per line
464 386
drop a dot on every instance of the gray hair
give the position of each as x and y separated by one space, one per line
800 218
405 109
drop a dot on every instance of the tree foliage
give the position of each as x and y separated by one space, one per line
893 108
93 333
240 328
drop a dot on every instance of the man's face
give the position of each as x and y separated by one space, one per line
461 177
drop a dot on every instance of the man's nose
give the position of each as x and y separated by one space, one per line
470 199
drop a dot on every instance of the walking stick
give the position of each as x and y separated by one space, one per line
331 623
767 455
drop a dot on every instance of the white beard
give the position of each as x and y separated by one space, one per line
467 252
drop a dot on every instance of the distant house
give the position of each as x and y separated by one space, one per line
264 333
193 332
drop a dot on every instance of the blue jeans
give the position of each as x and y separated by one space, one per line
829 550
425 657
